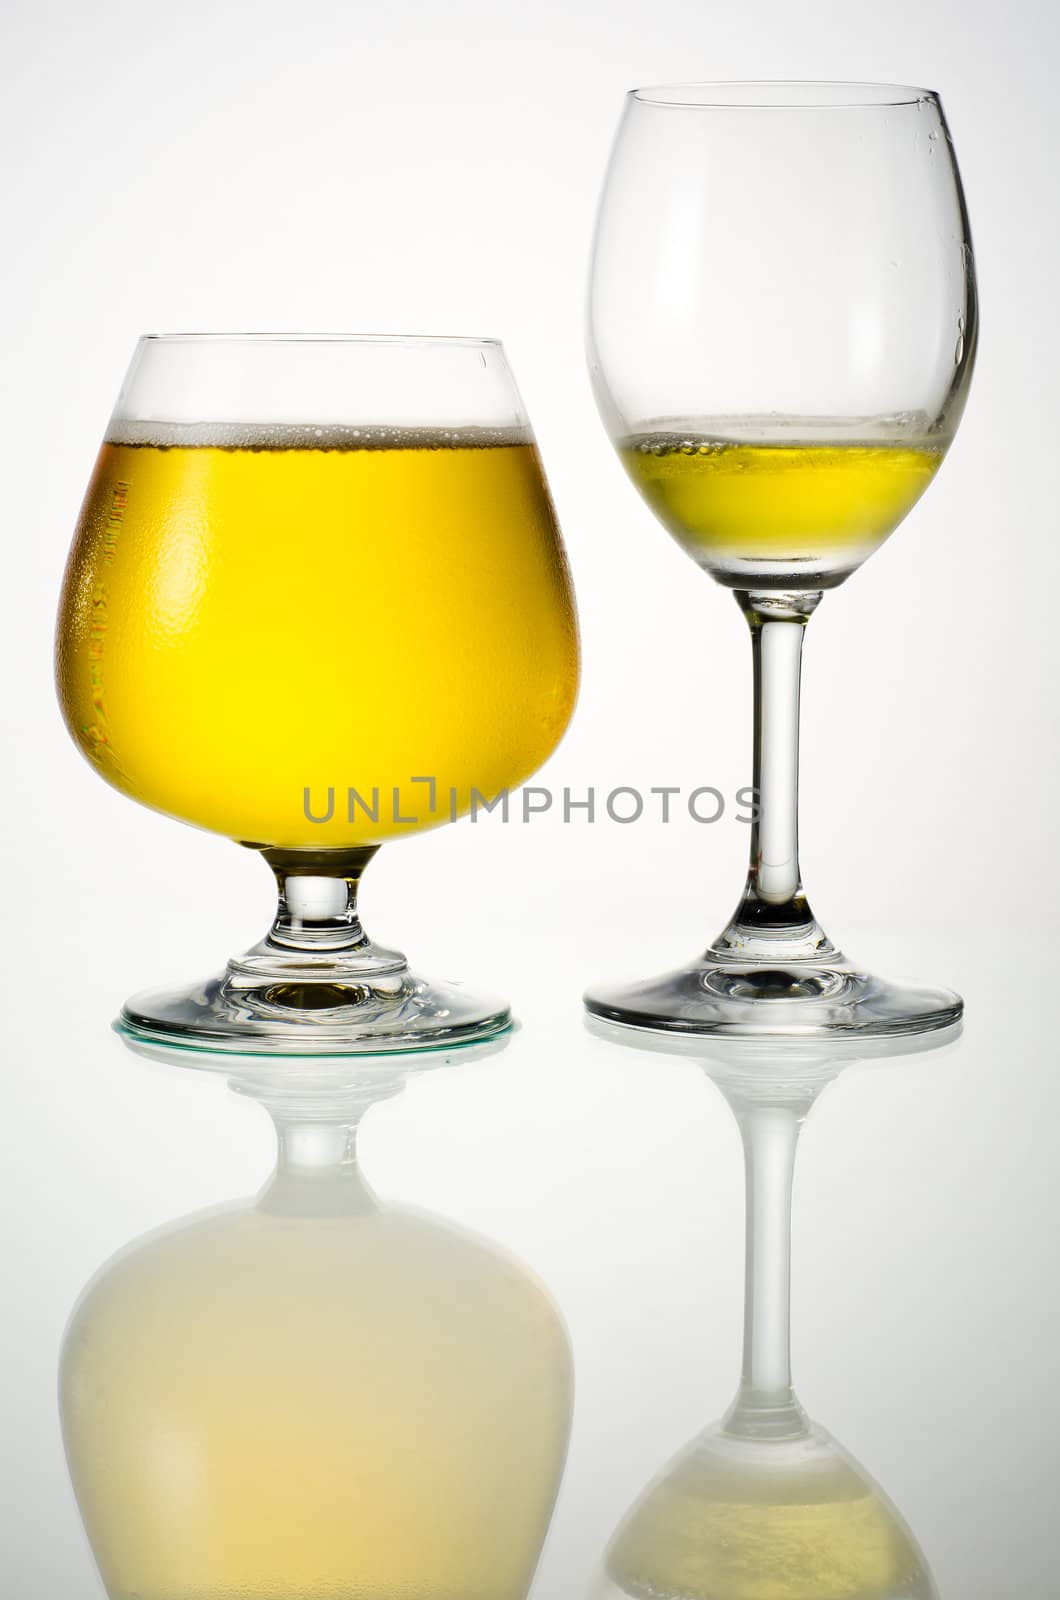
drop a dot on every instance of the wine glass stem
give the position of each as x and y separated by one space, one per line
770 1134
776 643
773 922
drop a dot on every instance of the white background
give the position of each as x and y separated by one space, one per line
429 168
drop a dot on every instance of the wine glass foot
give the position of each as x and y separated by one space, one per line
342 1014
761 1000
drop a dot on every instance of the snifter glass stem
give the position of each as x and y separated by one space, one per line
317 920
774 917
317 907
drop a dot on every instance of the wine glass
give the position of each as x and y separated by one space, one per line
766 1502
782 329
317 600
315 1394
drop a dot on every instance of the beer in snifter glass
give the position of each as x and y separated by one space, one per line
317 599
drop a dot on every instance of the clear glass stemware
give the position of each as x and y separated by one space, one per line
317 600
782 328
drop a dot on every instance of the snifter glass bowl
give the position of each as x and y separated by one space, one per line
317 600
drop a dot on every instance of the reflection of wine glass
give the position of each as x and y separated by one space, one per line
782 331
765 1505
317 599
313 1396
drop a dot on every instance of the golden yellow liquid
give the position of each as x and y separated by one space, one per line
815 506
812 1530
283 1407
247 619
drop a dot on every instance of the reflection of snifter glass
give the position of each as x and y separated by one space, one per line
765 1505
317 600
315 1396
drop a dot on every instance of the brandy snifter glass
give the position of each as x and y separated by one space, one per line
317 600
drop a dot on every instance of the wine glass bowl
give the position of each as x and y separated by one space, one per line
769 502
735 1518
782 330
317 600
782 319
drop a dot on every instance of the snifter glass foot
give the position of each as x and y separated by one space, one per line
337 1018
316 984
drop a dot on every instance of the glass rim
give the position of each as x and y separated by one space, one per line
767 94
458 341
